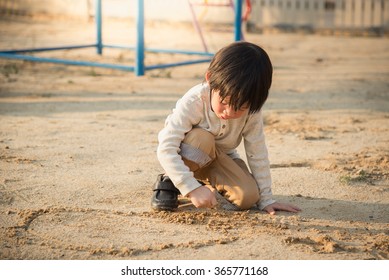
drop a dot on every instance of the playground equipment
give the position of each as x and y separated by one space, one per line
139 68
206 4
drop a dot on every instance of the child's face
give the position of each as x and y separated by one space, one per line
223 110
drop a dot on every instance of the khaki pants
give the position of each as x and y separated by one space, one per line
230 177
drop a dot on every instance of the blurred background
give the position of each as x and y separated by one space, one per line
311 15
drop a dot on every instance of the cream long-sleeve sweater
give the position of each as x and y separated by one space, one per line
194 110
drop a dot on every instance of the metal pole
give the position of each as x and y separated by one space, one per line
66 61
197 26
48 49
98 16
140 44
238 20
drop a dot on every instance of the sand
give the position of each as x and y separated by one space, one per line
78 149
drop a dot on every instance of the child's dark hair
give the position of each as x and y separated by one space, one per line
242 71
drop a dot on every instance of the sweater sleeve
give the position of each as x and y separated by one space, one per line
257 157
187 113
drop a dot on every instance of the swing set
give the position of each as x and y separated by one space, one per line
206 4
139 68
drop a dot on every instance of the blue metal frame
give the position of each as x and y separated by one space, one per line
99 25
139 48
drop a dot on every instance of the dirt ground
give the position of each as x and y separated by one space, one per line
78 149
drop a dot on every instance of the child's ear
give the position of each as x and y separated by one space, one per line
207 76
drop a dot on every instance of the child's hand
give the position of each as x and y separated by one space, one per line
203 197
272 208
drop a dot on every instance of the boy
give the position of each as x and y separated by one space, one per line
197 146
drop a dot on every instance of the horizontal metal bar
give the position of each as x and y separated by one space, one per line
107 46
96 64
160 66
66 61
48 49
162 50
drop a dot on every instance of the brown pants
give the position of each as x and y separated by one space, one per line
230 177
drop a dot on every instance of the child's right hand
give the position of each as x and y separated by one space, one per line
203 197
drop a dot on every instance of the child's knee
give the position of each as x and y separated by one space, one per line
248 198
201 139
198 148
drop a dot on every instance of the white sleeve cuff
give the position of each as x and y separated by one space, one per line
262 204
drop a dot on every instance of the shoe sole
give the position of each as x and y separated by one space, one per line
163 208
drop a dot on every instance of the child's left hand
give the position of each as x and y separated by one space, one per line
272 208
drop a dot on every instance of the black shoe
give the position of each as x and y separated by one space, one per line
165 194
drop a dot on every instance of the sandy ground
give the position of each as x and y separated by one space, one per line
77 149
